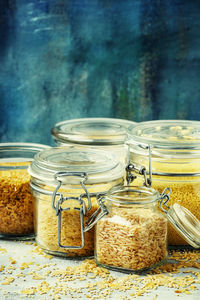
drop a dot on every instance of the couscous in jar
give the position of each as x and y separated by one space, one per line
168 153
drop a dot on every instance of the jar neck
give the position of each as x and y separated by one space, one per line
131 197
127 205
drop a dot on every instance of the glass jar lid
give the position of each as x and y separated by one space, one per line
168 134
15 152
99 165
185 223
95 131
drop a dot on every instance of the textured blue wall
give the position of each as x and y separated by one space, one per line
63 59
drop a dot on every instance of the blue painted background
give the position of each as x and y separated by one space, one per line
63 59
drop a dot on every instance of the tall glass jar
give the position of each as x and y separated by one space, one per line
167 152
66 182
16 201
98 133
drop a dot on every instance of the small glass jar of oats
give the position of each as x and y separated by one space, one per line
66 183
16 200
131 228
166 153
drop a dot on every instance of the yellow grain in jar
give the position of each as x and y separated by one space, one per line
16 200
66 182
175 162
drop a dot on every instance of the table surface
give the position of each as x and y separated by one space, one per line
27 272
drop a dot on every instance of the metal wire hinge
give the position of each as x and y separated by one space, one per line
57 205
98 214
141 170
164 198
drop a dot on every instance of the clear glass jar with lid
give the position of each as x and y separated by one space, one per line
104 133
66 182
131 228
16 201
167 152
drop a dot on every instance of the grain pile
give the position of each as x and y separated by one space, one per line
131 239
39 276
47 228
16 202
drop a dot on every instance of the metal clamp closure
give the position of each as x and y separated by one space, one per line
164 198
141 170
57 205
98 214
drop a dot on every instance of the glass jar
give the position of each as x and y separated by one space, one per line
133 235
98 133
131 228
66 182
16 201
167 152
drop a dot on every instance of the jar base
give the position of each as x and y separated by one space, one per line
124 270
180 247
17 237
64 255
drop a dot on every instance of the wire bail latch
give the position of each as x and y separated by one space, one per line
98 214
57 205
141 170
164 198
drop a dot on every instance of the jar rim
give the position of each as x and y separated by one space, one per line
95 131
23 146
18 150
167 135
133 195
99 165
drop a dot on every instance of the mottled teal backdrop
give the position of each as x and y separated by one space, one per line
63 59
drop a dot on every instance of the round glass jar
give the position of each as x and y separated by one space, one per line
99 133
66 182
167 152
132 235
16 201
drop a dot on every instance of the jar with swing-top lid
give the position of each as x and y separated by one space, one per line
167 154
97 133
131 228
66 182
16 201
